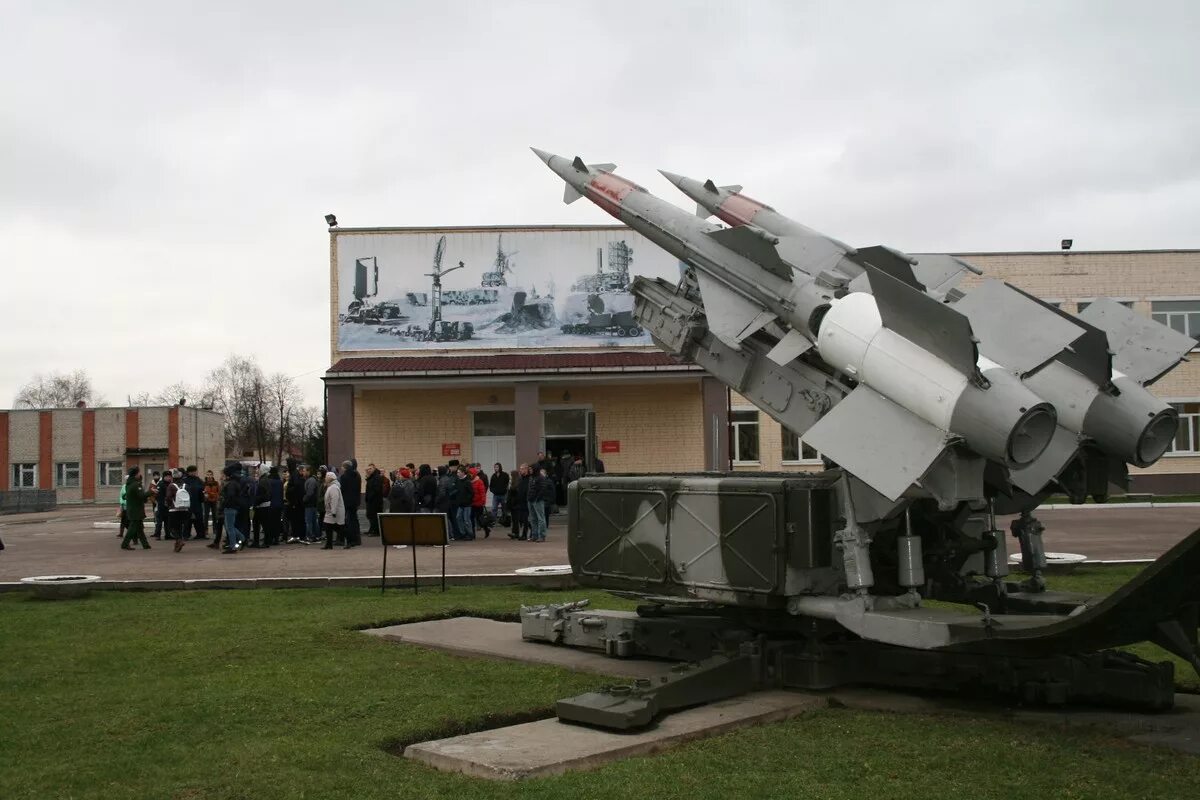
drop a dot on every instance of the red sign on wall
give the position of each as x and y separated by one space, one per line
610 446
451 449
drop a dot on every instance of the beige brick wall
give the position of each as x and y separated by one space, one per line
660 425
110 434
397 426
23 436
110 446
67 438
1085 276
210 441
152 428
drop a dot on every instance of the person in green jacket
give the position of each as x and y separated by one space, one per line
124 520
135 509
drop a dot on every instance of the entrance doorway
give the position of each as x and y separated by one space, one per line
494 439
565 429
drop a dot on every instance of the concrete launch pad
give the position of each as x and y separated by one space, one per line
549 747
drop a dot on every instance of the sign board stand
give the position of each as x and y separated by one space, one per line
411 530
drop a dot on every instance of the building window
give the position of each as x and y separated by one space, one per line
1182 315
24 476
495 423
795 451
111 473
1085 303
1187 436
745 436
66 475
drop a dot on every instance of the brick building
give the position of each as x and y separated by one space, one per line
82 453
641 411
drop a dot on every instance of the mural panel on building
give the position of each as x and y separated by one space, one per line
491 288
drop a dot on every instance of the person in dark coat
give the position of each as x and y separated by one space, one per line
464 496
374 499
403 494
541 495
426 488
351 482
293 501
274 519
498 486
518 504
195 488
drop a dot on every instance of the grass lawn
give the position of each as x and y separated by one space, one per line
274 694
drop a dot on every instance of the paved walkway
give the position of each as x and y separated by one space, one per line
65 541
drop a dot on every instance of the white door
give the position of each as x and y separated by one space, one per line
488 450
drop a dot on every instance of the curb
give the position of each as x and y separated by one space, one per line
324 582
1106 506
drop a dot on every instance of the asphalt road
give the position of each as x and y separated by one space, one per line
65 541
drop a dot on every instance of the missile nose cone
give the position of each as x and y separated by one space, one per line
543 155
672 177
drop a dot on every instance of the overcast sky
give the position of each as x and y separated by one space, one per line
165 167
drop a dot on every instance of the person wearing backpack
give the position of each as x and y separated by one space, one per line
179 510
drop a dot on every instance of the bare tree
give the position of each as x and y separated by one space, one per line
285 400
59 390
238 390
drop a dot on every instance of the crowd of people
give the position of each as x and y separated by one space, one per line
259 509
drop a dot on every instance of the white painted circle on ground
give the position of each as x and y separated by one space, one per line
1054 559
554 569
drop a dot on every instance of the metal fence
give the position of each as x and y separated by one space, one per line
22 500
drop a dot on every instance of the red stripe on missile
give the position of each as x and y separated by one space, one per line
609 191
738 209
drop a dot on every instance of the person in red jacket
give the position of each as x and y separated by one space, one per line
479 502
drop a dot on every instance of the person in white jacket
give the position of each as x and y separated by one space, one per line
335 510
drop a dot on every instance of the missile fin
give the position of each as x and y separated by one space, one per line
884 445
789 347
1089 354
1033 477
732 188
702 212
745 242
1144 350
924 321
710 186
603 167
569 194
578 164
940 272
1014 331
890 261
730 316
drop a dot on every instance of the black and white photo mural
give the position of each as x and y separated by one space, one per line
487 288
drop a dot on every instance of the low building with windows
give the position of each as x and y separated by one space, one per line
83 453
496 376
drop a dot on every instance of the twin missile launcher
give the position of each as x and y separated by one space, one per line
936 408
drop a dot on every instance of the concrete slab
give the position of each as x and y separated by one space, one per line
550 747
472 636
